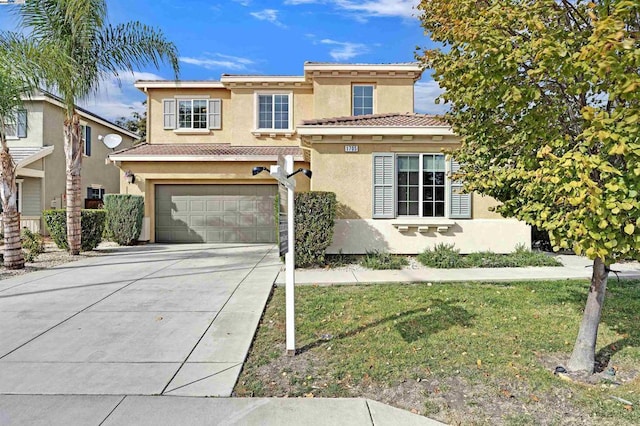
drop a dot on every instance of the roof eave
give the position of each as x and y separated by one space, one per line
374 130
35 157
197 158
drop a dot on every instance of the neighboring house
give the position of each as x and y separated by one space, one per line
36 143
385 164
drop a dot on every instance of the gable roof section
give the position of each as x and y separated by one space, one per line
205 152
56 100
377 124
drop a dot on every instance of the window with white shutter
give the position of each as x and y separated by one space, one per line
383 185
215 114
169 113
460 203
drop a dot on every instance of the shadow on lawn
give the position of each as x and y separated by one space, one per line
621 312
440 316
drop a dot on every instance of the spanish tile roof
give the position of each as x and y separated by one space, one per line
381 120
205 150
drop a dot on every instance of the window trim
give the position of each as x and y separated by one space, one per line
256 112
373 97
17 116
447 185
171 114
85 130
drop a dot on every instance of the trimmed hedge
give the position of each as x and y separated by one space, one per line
92 222
124 217
315 214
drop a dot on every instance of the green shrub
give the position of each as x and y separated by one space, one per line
383 260
32 244
92 222
444 256
487 259
315 214
124 217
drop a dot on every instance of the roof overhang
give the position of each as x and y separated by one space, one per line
370 131
197 158
410 66
178 84
33 157
226 78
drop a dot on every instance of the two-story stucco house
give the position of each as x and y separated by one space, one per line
36 143
351 124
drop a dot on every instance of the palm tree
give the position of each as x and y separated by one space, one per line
96 50
19 70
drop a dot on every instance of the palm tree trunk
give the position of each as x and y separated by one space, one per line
13 257
73 154
584 350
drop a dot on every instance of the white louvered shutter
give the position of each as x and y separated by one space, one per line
215 114
383 186
460 206
169 113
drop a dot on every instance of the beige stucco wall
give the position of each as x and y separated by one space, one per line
238 116
149 174
357 236
338 171
332 95
34 127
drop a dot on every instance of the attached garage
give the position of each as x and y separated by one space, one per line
215 213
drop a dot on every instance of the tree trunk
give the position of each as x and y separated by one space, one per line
73 155
583 357
13 257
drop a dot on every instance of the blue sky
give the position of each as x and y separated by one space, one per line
264 37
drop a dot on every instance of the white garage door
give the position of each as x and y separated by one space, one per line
215 213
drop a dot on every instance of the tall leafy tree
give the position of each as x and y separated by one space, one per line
20 69
97 50
546 97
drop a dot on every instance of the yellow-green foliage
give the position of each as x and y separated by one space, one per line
546 97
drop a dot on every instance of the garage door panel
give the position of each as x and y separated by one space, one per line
214 205
215 213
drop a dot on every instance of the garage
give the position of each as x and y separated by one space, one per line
215 213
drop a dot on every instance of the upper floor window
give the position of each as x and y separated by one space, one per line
85 134
192 114
274 111
362 101
16 125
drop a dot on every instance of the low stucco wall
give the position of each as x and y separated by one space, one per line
356 236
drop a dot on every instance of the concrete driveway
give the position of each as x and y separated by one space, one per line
146 320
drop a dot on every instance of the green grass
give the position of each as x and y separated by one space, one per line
490 339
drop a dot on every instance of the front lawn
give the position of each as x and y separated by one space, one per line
462 353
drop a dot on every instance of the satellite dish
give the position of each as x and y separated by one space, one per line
112 140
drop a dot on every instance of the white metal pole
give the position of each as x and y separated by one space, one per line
290 265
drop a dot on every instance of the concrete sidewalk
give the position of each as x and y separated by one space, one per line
574 267
35 410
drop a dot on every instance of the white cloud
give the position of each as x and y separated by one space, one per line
219 61
425 93
345 50
362 9
380 8
269 15
244 3
114 100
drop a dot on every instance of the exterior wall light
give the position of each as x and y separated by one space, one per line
259 169
129 176
305 172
